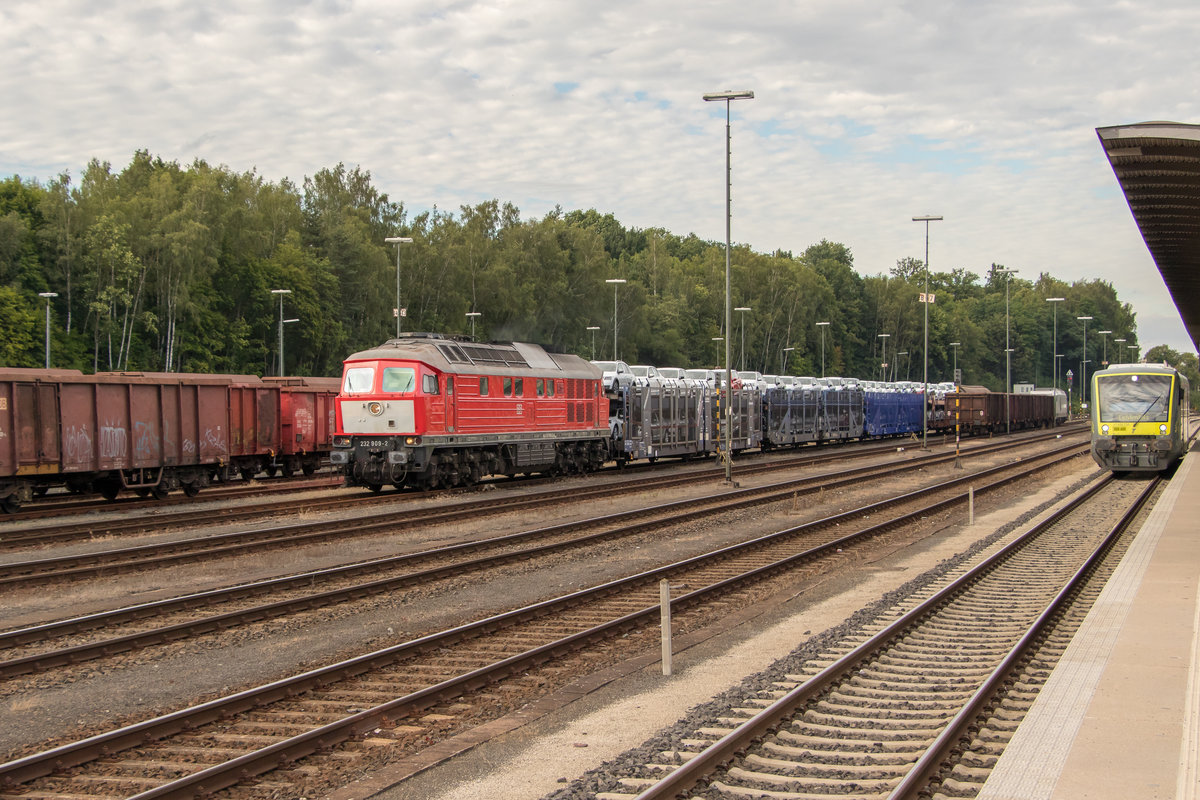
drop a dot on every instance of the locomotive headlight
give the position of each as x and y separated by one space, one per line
375 408
1162 428
1104 429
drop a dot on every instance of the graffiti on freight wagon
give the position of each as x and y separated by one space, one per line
114 441
77 444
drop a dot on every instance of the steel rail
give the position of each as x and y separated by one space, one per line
688 775
633 522
108 562
74 754
11 536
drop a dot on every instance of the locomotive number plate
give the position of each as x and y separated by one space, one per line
374 442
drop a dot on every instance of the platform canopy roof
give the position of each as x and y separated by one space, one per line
1158 167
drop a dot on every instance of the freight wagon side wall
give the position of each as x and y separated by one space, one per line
29 429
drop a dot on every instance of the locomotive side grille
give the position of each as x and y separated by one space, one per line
494 354
453 354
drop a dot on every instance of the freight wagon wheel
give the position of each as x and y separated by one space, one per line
287 469
160 492
11 504
109 489
247 474
191 489
308 468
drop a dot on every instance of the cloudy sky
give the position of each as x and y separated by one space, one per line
865 113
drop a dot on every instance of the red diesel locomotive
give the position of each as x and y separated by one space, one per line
430 410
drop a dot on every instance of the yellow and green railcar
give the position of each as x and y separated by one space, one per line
1139 417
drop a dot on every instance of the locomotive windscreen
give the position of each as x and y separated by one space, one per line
1133 398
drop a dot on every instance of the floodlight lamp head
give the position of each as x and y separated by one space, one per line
742 94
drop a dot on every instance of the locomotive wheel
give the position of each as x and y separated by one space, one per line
375 487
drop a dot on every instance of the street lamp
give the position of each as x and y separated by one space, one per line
1119 341
1083 363
928 218
742 310
1134 348
593 329
955 345
728 97
47 295
783 360
822 326
1104 359
884 336
1007 273
281 293
615 283
473 315
1055 301
398 240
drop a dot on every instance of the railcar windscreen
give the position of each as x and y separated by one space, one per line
358 380
1134 398
399 380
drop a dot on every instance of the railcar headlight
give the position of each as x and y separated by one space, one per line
341 441
412 441
1104 429
1162 428
375 408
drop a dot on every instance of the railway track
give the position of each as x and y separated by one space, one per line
491 664
72 641
924 700
13 535
125 559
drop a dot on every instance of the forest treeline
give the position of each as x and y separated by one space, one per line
165 267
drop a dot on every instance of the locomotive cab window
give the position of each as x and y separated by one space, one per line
508 387
429 384
449 384
358 380
483 387
541 387
399 380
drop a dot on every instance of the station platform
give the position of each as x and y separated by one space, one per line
1120 715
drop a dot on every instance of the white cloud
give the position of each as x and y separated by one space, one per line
865 114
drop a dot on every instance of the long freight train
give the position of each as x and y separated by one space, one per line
427 410
155 432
